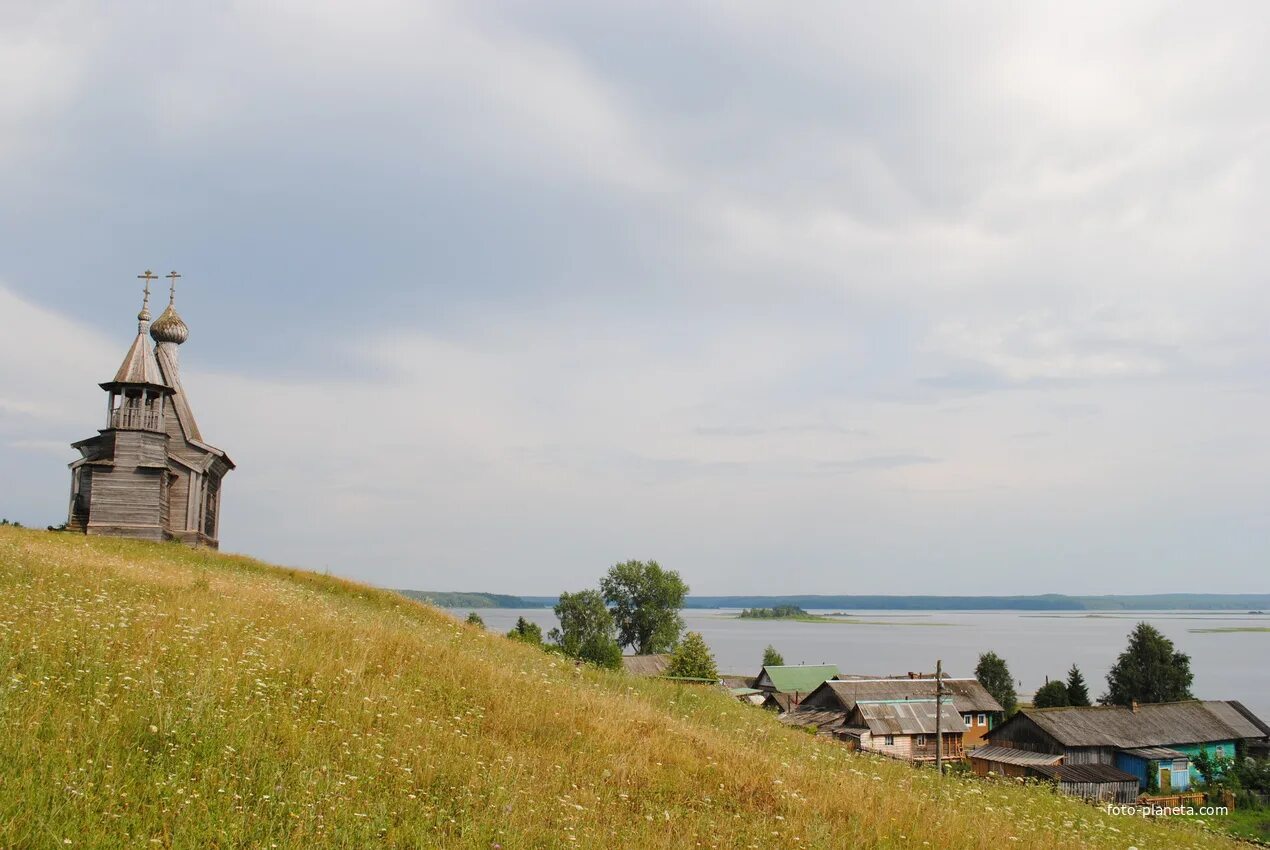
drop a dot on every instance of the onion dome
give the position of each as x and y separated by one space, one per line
169 327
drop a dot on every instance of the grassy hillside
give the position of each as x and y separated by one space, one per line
152 696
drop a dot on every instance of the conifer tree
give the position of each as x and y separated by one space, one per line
1077 692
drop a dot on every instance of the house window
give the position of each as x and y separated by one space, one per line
889 740
1221 751
983 720
921 740
970 720
1180 766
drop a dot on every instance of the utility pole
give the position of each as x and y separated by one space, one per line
939 713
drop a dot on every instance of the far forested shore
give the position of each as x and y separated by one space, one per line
1259 602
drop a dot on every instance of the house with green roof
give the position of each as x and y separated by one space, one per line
797 680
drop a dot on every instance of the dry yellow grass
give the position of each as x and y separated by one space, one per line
152 696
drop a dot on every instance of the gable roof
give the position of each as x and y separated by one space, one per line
1237 716
778 700
796 678
1152 725
907 717
968 695
645 665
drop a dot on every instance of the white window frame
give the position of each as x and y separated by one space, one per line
921 741
983 719
889 740
970 720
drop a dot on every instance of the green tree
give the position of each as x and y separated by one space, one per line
1052 694
1149 670
1077 692
645 602
995 677
526 632
772 658
474 619
586 629
692 659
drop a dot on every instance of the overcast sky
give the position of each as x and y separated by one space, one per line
837 298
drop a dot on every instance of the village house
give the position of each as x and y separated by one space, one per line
901 728
1156 743
795 680
977 711
148 473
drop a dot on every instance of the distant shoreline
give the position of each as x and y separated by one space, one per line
1247 603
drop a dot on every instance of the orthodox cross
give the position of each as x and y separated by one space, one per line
172 276
145 302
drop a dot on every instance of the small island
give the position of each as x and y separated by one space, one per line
782 612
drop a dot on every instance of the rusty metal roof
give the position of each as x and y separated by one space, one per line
907 717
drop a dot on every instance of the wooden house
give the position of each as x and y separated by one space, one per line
796 680
906 728
1155 743
902 728
148 473
976 709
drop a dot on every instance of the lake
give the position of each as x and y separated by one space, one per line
1230 665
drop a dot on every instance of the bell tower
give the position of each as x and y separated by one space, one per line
119 486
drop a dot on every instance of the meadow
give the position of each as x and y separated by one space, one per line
154 696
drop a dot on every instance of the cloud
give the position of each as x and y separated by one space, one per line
508 293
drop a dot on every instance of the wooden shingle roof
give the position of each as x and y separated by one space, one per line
138 366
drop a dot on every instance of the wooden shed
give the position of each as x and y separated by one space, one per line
1098 782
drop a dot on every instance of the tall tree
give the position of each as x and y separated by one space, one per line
995 677
526 632
772 658
692 659
645 602
1052 694
586 629
1149 670
1077 692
